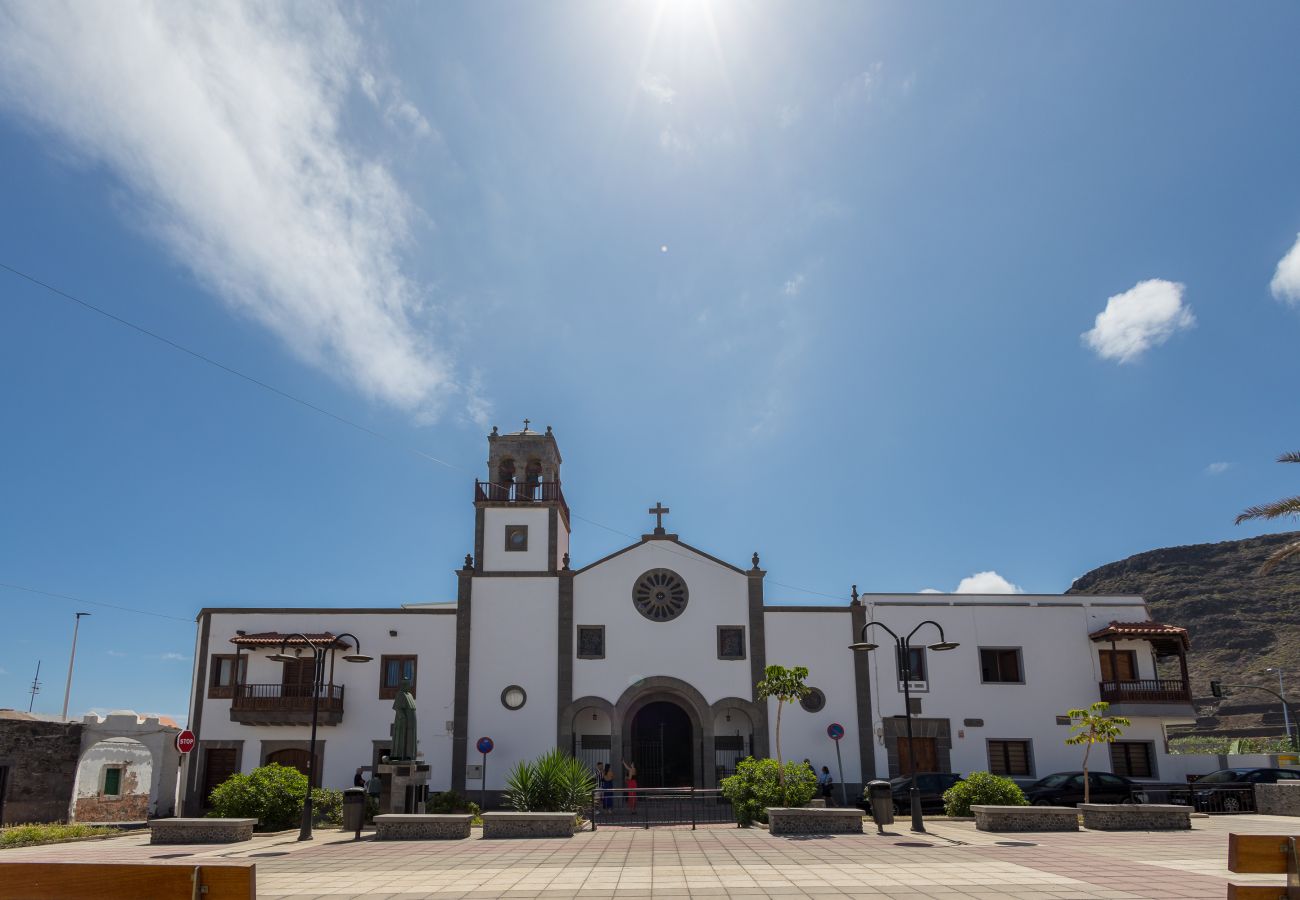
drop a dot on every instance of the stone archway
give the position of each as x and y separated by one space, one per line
738 729
114 779
666 689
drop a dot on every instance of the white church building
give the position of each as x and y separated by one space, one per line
651 655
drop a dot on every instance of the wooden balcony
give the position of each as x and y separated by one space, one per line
285 704
1147 690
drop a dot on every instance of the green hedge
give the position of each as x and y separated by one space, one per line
757 785
982 788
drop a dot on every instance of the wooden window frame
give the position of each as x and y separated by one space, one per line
388 692
103 783
1150 749
1006 770
1113 655
226 691
1020 665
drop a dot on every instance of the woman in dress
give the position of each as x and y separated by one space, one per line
607 787
629 769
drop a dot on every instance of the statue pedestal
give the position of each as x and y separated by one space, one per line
404 786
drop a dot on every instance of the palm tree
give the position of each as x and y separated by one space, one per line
1276 510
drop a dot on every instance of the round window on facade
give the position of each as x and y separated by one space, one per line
513 697
813 701
660 595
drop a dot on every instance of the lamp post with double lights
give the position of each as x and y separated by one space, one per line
318 673
904 645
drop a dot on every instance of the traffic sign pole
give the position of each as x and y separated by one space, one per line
484 746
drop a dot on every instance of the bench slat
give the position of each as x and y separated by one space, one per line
1255 892
1262 854
125 881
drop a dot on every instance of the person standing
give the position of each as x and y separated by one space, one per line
607 787
629 769
359 779
827 785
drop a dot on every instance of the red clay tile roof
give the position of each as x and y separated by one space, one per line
275 639
1142 630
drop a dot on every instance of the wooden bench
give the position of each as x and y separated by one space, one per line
127 881
1263 854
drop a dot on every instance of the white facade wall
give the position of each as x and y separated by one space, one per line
1060 667
514 640
496 558
685 648
366 718
819 641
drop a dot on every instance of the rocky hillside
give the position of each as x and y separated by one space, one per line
1241 622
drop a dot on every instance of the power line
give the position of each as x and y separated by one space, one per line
142 612
230 370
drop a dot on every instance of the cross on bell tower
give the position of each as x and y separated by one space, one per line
659 511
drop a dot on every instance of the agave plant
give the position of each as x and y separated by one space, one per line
554 782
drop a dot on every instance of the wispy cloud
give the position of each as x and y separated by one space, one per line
225 122
1144 316
788 116
4 671
1286 280
673 141
386 95
117 653
1217 468
793 286
859 89
657 88
986 583
173 657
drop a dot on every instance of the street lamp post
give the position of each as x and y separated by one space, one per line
72 658
904 649
1216 688
1286 713
318 674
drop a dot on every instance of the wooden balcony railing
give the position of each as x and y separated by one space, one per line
1147 690
285 703
518 491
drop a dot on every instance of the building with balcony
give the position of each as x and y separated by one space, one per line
651 654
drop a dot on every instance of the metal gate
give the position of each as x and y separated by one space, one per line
649 759
729 749
593 750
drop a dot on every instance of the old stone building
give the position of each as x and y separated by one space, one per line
38 764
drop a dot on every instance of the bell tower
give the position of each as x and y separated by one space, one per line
521 520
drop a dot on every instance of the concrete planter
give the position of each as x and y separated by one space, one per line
1281 799
528 824
200 831
1026 818
1136 817
422 827
814 820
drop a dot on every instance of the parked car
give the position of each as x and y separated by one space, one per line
1233 790
1066 789
930 784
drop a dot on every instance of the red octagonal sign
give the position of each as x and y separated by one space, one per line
185 741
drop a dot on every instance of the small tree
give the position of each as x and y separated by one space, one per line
1092 726
787 686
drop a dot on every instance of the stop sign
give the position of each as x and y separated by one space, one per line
185 741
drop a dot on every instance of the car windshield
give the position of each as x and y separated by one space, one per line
1056 780
1223 776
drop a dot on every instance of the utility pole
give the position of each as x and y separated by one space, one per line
36 686
67 692
1286 714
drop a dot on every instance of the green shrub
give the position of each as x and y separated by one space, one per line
326 807
271 794
981 788
554 782
757 785
448 802
31 834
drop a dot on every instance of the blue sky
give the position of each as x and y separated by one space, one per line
825 279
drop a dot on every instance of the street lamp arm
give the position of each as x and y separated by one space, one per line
911 633
284 644
1256 687
863 634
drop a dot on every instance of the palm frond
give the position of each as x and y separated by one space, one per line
1275 510
1290 457
1280 555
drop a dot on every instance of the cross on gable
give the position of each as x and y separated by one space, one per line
526 423
658 511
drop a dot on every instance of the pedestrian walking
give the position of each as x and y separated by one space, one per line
827 785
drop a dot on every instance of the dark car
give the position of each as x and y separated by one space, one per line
1066 789
931 786
1233 790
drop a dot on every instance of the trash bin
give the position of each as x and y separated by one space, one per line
354 809
880 794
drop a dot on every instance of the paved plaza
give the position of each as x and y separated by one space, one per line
954 860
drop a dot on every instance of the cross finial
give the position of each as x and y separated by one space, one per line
526 421
658 511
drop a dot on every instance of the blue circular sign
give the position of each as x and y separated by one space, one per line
485 744
835 731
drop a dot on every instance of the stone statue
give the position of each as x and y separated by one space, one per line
404 740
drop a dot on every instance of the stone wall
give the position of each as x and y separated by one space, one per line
432 827
1134 817
1026 818
41 757
811 820
1281 799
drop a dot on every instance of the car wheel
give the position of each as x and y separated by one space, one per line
1129 800
898 809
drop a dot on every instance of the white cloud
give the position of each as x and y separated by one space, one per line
929 591
173 657
1286 280
1144 316
117 653
986 583
673 141
657 88
225 121
793 286
1217 468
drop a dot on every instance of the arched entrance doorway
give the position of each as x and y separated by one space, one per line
296 759
663 742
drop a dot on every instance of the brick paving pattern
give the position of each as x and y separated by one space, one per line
953 861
